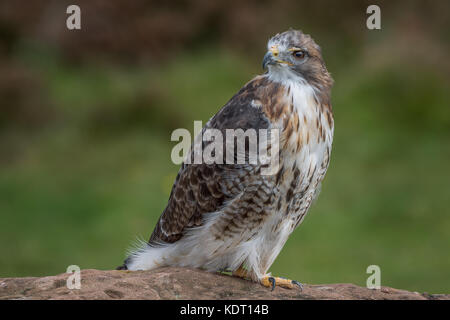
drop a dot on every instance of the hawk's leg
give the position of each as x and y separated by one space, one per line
272 282
240 272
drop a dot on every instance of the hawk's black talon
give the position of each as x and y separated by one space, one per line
298 284
273 282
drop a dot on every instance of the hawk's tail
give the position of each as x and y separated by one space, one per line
122 267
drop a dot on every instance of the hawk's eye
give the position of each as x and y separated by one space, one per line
299 54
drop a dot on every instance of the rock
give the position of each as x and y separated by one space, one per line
183 283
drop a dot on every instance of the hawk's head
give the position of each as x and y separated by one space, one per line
293 54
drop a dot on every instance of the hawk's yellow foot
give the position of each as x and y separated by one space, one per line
269 281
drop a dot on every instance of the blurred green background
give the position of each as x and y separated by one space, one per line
86 118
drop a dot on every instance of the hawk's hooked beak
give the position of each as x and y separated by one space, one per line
270 57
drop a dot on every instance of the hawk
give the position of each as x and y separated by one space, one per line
230 216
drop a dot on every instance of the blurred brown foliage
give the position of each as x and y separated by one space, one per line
142 29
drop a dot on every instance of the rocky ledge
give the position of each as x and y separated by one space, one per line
183 283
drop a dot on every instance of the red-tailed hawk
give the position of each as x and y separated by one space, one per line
230 216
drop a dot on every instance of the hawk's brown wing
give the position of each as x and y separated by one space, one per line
203 188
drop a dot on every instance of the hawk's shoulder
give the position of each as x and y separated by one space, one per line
244 109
